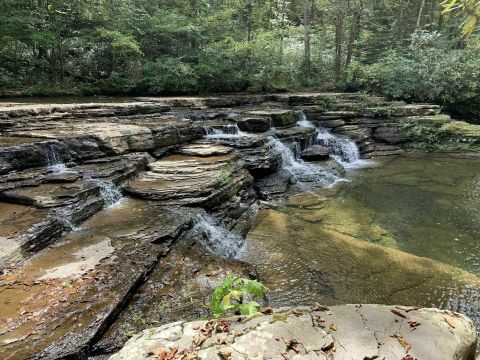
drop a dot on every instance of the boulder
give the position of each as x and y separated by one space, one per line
340 332
390 134
254 124
315 153
279 117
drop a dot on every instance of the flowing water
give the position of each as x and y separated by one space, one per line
216 237
224 132
404 232
55 164
306 175
110 193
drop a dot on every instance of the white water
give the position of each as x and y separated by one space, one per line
111 195
304 122
217 238
344 151
224 132
303 172
55 164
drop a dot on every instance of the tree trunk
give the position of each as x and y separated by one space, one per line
248 10
338 39
420 13
307 8
282 35
400 22
357 15
196 13
61 60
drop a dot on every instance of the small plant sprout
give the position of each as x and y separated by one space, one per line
230 295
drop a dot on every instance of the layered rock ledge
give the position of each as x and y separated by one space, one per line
340 332
77 266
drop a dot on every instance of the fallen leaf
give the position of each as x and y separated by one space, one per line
449 322
398 313
292 345
225 354
413 323
222 326
164 354
319 307
318 321
267 310
407 346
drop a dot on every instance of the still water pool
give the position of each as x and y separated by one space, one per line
406 231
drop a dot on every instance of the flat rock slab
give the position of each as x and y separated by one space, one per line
190 180
113 137
62 298
204 149
178 288
341 332
80 110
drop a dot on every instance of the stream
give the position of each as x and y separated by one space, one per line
405 230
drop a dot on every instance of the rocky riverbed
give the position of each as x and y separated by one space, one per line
110 211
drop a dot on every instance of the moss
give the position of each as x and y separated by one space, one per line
279 317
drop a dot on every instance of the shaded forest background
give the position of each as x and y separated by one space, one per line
403 49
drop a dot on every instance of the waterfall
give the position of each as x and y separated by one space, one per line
223 132
343 150
302 171
54 163
217 238
109 192
304 122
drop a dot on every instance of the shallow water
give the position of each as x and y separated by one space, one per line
404 232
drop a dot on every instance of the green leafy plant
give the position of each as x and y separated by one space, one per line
229 296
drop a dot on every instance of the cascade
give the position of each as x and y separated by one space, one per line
109 192
217 238
302 171
54 163
224 132
343 150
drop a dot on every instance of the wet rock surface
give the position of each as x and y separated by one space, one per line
315 153
339 332
61 299
75 254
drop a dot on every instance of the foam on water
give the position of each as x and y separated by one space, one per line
343 150
224 132
304 122
304 173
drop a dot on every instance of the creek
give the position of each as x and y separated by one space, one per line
403 231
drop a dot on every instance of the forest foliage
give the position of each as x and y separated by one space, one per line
419 50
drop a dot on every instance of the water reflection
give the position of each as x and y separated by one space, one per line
343 245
